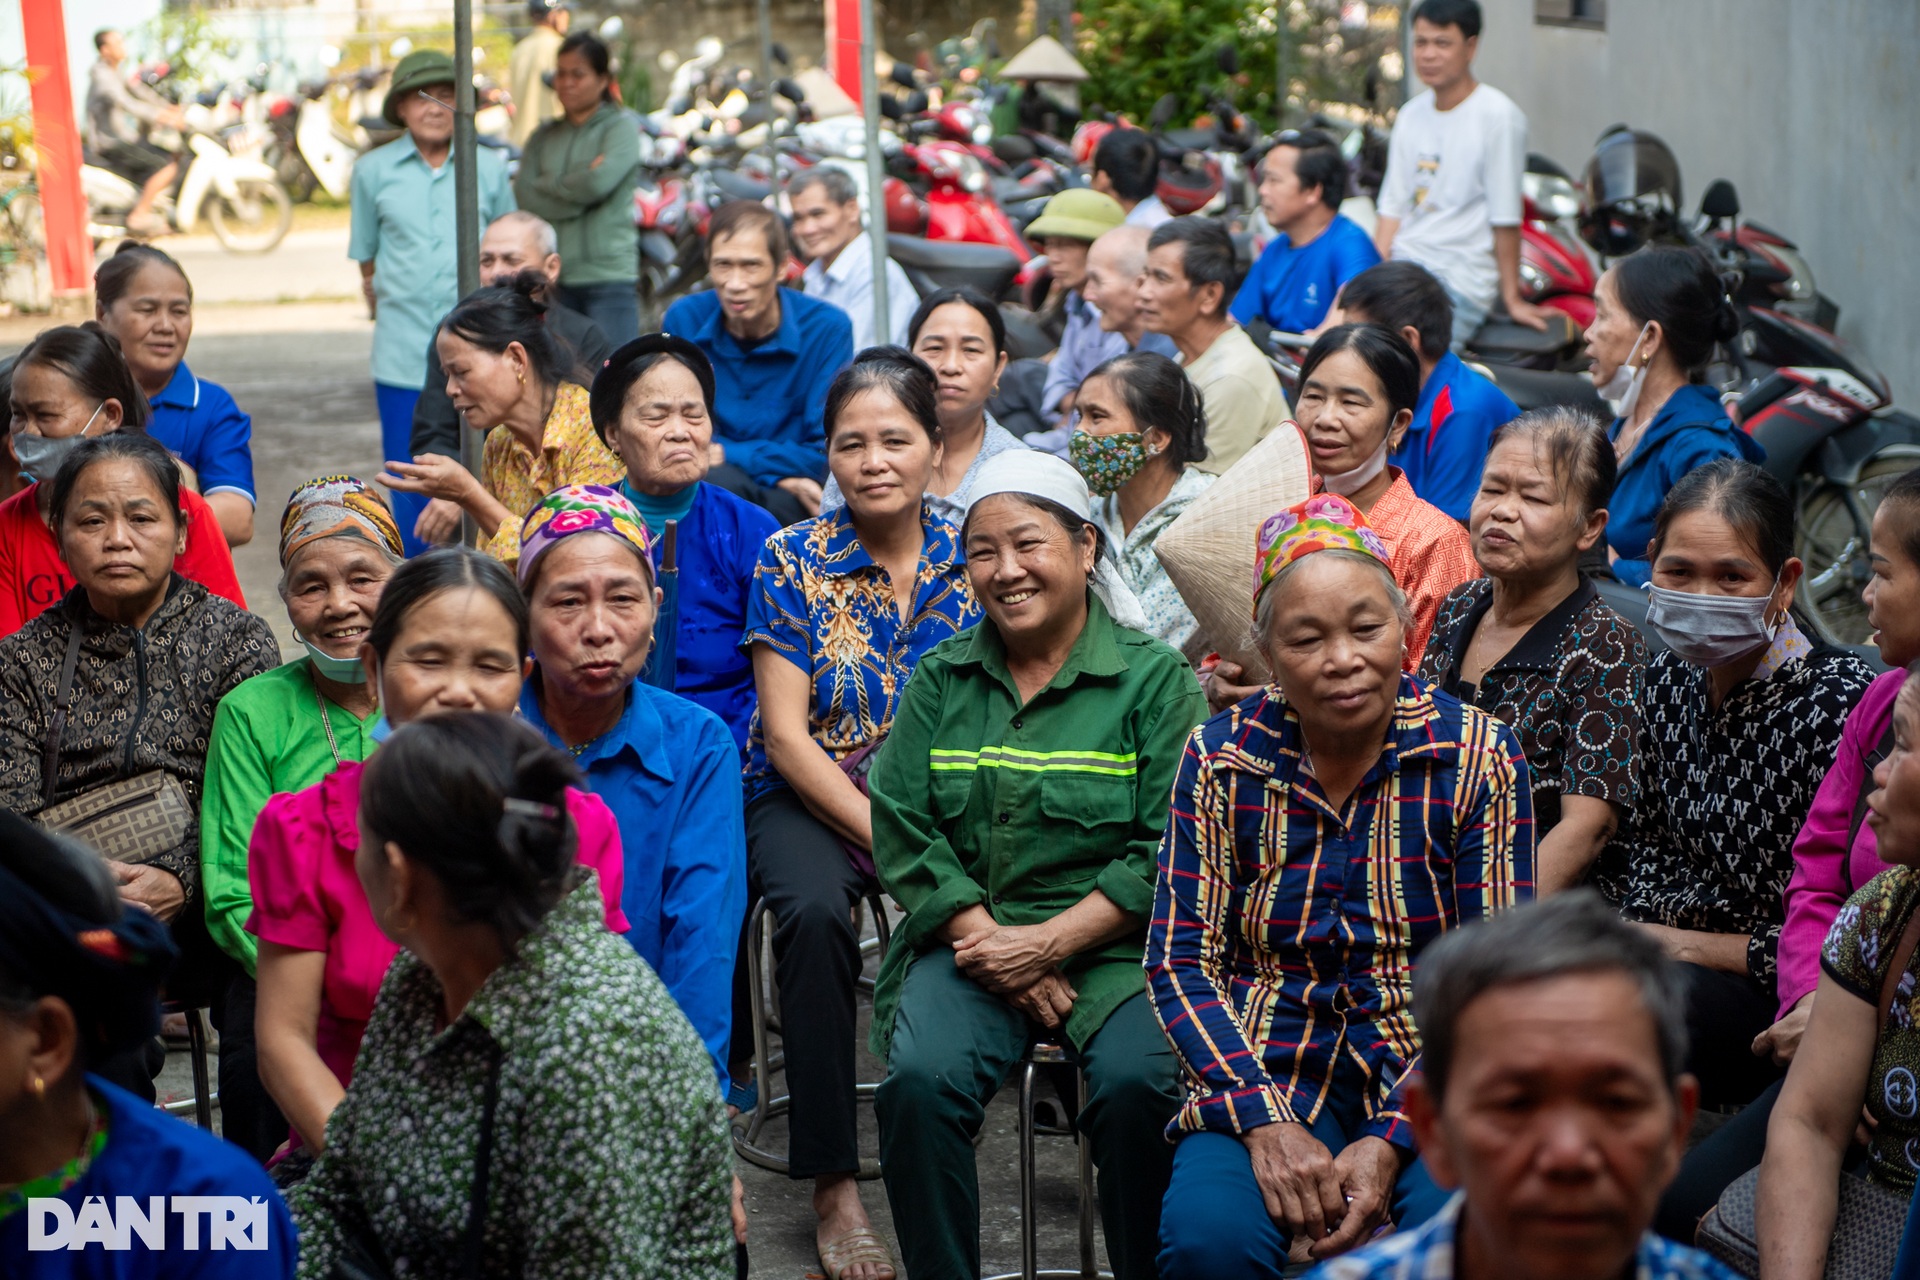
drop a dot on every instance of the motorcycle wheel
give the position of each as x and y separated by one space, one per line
1833 544
255 222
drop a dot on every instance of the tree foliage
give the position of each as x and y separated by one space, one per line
1137 50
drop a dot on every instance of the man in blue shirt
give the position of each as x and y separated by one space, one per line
775 352
1302 182
1550 1093
1445 447
403 238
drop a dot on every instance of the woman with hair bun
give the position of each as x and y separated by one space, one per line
528 1099
68 385
1658 315
508 376
80 976
1140 428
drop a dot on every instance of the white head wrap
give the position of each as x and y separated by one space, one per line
1037 474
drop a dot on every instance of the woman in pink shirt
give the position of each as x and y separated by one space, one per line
450 635
1833 856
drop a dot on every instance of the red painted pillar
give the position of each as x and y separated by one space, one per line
57 138
843 44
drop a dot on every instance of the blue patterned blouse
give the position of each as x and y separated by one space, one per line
822 603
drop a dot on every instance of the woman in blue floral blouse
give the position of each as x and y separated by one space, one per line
842 607
528 1100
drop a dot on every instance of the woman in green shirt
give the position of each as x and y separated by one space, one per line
284 730
578 172
1017 810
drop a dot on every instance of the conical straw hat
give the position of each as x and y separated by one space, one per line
1044 59
1209 550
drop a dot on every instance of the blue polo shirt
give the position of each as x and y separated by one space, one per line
670 772
1446 445
1291 289
148 1154
202 426
770 399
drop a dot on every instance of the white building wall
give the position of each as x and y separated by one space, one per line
1811 108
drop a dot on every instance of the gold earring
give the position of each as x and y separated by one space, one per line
39 1089
521 374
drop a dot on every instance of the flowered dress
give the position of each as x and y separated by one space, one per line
1859 950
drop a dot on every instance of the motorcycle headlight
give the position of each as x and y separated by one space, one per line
983 133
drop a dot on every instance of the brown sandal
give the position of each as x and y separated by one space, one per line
851 1248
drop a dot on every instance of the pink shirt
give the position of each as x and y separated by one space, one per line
1822 878
306 895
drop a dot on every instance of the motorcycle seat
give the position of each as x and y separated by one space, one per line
1504 335
1192 139
737 186
943 263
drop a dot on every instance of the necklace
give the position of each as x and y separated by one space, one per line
13 1199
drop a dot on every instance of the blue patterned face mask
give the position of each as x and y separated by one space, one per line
1710 631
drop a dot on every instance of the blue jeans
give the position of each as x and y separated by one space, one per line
615 307
396 443
1214 1222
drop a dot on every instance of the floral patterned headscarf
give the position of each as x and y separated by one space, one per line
580 508
1324 522
337 506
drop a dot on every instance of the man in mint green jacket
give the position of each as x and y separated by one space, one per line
578 172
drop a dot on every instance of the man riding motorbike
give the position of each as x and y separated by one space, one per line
116 112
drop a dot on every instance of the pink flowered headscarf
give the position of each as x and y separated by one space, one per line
1324 522
580 508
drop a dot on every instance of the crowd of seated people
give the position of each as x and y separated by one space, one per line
762 623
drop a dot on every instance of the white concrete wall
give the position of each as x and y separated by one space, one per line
1811 108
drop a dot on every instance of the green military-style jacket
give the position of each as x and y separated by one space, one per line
978 800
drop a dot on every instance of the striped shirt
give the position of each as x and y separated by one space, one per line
981 798
1284 933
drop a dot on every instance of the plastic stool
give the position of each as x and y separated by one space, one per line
1047 1055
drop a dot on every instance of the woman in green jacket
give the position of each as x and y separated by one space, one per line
1017 810
578 172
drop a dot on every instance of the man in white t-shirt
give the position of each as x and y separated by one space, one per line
1451 198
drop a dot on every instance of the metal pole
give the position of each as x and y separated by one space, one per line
876 173
1279 66
466 210
765 14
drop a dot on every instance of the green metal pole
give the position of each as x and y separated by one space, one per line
466 207
876 171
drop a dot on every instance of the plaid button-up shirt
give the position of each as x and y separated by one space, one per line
1285 933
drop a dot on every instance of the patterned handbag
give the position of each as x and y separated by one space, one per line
1869 1219
131 820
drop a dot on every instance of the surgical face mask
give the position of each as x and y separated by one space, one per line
1108 462
1347 483
1710 631
40 456
338 670
1623 388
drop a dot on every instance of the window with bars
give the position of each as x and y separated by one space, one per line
1571 13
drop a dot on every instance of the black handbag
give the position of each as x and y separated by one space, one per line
1869 1220
361 1256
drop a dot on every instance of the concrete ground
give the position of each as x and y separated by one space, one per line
300 369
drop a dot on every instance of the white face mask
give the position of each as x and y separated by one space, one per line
1708 630
1348 483
1623 388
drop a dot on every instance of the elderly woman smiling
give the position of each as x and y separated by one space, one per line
1016 808
1324 832
653 405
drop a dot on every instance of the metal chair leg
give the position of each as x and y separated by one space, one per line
1027 1130
202 1086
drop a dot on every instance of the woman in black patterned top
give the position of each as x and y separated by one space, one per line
1533 643
1741 721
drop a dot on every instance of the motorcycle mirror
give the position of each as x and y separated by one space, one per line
612 29
890 108
1229 60
917 102
1720 200
992 49
1162 111
779 54
790 90
902 75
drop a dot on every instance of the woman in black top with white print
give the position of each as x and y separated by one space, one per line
1741 721
1535 645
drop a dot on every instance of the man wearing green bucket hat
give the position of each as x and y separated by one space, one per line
403 238
1065 231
